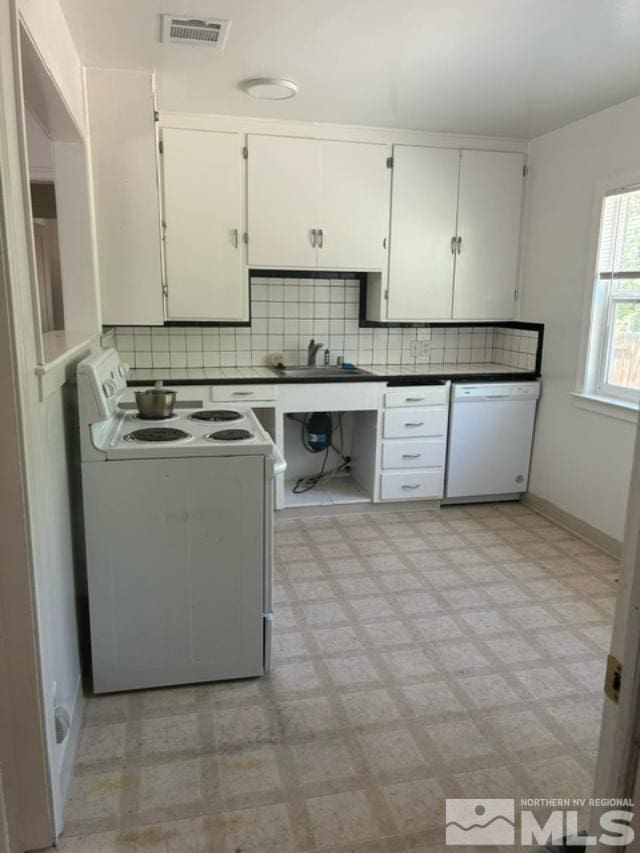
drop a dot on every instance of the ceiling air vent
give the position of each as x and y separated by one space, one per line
209 32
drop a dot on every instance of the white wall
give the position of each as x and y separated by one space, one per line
40 151
47 27
581 459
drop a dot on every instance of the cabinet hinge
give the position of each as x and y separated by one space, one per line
389 162
525 171
245 152
165 290
613 678
161 147
156 115
245 238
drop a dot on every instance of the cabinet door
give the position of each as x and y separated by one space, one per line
489 234
354 206
423 224
205 274
125 191
283 201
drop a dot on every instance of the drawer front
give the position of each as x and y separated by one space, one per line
412 485
415 423
242 393
420 395
427 452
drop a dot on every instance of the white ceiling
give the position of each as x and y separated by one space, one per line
498 67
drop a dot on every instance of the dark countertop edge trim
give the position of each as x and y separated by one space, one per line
392 380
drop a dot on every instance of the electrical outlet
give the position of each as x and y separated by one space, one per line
419 349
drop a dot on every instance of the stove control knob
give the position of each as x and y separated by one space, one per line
109 388
122 369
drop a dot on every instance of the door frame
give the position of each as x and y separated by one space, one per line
617 769
26 783
23 754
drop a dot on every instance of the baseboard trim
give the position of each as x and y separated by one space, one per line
575 525
70 754
291 512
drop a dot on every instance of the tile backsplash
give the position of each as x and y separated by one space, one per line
287 312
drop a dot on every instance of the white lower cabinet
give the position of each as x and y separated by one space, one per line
414 443
413 453
415 423
242 393
411 485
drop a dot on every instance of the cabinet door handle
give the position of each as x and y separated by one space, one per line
459 245
243 393
411 486
236 238
314 237
413 399
321 238
453 245
411 455
384 243
414 423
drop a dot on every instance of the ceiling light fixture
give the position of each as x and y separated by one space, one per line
270 88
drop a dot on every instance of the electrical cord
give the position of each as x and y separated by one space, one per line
305 484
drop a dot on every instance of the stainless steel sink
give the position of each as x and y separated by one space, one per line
320 372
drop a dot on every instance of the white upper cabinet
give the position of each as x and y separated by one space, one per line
455 233
423 230
283 177
488 235
205 273
125 192
317 204
354 206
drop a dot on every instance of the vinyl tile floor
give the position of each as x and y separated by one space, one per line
417 655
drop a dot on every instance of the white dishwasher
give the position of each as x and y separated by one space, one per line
490 436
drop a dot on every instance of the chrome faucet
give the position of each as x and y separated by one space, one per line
312 352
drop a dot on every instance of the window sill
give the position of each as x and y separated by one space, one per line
623 410
61 348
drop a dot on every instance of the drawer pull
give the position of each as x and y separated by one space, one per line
413 399
414 424
411 455
243 393
411 486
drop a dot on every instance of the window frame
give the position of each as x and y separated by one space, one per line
599 332
604 387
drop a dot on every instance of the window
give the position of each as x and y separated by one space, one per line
615 333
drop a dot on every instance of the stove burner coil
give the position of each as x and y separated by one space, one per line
216 415
230 435
157 434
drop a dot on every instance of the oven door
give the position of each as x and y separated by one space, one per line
176 556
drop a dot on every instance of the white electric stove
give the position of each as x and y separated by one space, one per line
179 533
191 432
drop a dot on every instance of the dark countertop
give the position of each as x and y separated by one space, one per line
392 374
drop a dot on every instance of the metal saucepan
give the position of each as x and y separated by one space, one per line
155 404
